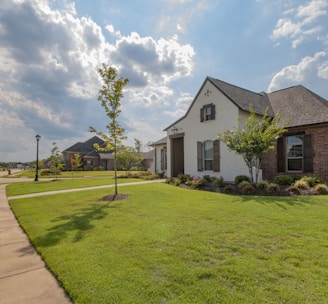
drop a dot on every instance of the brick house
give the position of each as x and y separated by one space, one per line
90 157
303 150
192 147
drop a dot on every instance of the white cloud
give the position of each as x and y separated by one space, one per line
299 73
323 70
145 60
48 68
301 24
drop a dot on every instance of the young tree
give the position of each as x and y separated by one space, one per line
76 162
138 152
256 138
126 158
109 96
56 163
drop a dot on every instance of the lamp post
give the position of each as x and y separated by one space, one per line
37 158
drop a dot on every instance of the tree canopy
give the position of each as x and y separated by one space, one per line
254 139
109 96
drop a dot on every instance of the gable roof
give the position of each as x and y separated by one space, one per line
242 98
299 106
86 147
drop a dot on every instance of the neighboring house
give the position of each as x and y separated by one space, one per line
91 158
160 156
192 146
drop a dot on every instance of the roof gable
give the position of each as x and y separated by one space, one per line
86 147
242 98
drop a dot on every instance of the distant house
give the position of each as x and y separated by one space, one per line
91 158
191 145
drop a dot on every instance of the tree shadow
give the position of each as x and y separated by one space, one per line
78 223
280 201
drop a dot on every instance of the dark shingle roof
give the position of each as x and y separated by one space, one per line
299 106
244 98
86 147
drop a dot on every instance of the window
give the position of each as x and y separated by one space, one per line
207 112
208 155
163 159
294 152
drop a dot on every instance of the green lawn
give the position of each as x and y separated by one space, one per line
50 185
69 174
171 245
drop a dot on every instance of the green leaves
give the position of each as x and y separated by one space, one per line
257 137
109 96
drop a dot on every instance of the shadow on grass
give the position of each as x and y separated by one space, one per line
280 201
76 224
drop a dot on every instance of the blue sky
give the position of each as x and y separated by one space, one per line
50 51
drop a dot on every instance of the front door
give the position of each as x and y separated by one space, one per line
177 156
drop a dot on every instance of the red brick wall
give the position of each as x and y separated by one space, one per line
320 155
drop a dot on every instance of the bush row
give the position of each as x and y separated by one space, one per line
243 185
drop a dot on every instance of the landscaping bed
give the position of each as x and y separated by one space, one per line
283 185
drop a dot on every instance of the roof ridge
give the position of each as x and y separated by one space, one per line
233 85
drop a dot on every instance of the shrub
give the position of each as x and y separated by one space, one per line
184 178
247 188
312 180
243 184
241 178
169 180
207 178
293 189
177 181
273 188
196 183
150 177
45 172
217 182
321 188
228 189
283 180
301 184
263 185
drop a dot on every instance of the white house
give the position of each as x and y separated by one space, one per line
191 145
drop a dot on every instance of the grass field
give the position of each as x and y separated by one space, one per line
69 174
166 244
51 185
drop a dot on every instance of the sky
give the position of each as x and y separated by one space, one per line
50 52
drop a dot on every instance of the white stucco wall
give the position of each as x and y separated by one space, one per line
194 130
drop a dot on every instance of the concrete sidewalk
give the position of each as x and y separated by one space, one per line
24 277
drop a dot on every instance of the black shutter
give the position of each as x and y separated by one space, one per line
201 114
308 153
280 155
216 155
213 111
199 156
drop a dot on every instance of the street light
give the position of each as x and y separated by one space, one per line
37 157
